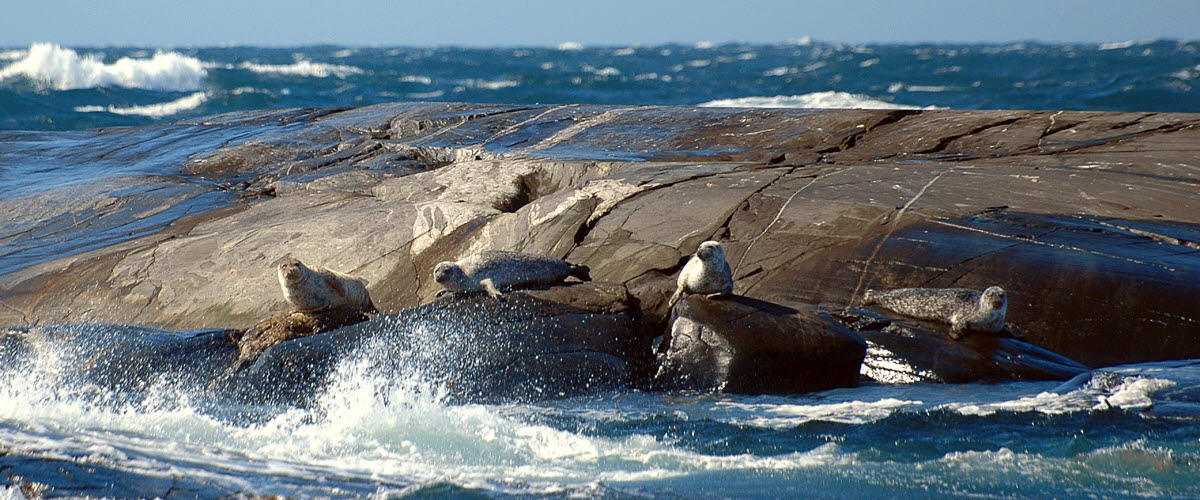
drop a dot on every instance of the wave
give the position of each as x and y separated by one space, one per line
829 99
570 46
64 69
488 84
9 55
154 110
303 68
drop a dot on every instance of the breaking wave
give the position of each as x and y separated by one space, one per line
153 110
64 69
829 99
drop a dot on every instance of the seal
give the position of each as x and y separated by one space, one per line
316 288
496 270
706 272
965 310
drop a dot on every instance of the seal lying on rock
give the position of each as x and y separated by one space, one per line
963 309
706 272
495 270
316 288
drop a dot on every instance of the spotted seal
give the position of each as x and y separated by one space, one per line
706 272
963 309
496 270
316 288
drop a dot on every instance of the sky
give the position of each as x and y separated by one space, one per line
591 23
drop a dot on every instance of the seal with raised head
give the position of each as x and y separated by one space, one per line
964 309
496 270
706 272
316 288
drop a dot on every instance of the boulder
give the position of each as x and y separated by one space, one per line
905 350
746 346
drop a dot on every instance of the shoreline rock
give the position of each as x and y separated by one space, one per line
1088 219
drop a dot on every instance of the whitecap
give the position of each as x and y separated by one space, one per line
624 52
570 46
704 45
780 71
1121 45
417 79
802 41
345 53
304 68
828 99
154 110
489 84
869 62
9 55
426 95
64 69
699 63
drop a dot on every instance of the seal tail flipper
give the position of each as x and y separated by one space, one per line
581 272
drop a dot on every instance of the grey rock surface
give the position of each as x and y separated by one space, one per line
1089 220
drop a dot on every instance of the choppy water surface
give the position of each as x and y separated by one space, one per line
1122 432
45 86
1127 431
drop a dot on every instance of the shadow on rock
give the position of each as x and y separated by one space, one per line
910 350
747 346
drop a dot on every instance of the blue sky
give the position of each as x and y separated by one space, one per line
596 22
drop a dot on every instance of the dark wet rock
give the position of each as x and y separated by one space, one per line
535 344
747 346
905 350
1089 220
287 325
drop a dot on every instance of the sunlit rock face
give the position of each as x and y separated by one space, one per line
1087 219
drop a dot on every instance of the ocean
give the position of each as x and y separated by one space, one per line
1117 432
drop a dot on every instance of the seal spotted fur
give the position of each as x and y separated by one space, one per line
496 270
963 309
316 288
706 272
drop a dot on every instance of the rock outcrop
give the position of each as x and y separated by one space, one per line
1089 220
741 345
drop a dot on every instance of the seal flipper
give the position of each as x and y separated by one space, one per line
491 288
675 298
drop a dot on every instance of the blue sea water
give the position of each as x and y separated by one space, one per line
1118 432
47 87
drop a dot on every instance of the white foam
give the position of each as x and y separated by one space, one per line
704 45
304 68
570 46
627 51
9 55
1121 45
426 95
155 110
780 71
489 84
1103 391
417 79
829 99
64 69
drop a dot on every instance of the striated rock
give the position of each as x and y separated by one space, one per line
1089 220
747 346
